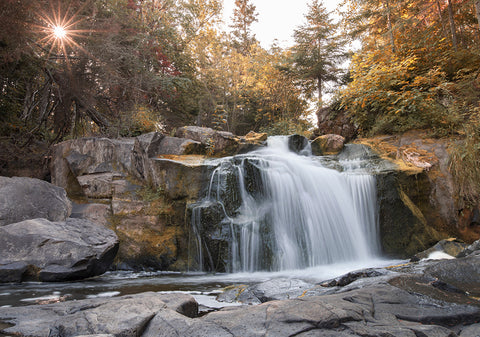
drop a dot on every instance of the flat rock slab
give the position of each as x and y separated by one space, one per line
120 316
55 251
24 198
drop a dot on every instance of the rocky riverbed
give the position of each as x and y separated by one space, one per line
425 298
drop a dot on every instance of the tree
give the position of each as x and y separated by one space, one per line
244 15
318 50
118 58
477 13
427 81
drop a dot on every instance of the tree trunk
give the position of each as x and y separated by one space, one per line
477 13
320 89
452 25
444 29
390 28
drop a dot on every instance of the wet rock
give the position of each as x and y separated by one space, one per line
462 273
404 230
451 247
327 145
24 198
473 249
207 219
12 272
56 251
354 276
297 143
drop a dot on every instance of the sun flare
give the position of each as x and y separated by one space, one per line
59 27
59 32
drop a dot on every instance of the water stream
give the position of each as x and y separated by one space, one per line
281 211
281 214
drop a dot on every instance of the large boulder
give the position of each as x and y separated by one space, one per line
327 145
42 250
180 146
24 198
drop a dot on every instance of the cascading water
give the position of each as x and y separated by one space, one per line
278 210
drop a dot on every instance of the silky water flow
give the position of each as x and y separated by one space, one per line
283 211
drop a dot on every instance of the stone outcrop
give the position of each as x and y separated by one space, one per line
42 250
24 198
430 210
329 144
145 185
148 183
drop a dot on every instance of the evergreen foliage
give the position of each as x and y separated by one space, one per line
318 51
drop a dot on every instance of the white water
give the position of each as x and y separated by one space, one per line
301 215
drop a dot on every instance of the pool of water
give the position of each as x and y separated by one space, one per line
204 287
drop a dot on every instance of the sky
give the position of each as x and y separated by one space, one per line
277 19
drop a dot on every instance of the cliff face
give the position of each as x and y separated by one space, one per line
141 188
431 207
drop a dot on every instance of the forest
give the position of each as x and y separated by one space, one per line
124 67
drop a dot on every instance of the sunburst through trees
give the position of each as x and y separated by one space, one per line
60 28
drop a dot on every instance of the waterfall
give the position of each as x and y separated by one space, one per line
279 210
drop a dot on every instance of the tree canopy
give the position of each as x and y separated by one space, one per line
124 67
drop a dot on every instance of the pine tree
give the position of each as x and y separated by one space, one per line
244 16
318 50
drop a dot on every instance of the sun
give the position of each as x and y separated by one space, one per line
59 32
59 29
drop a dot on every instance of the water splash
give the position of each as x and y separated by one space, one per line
278 210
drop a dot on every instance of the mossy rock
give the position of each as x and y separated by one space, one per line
404 230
